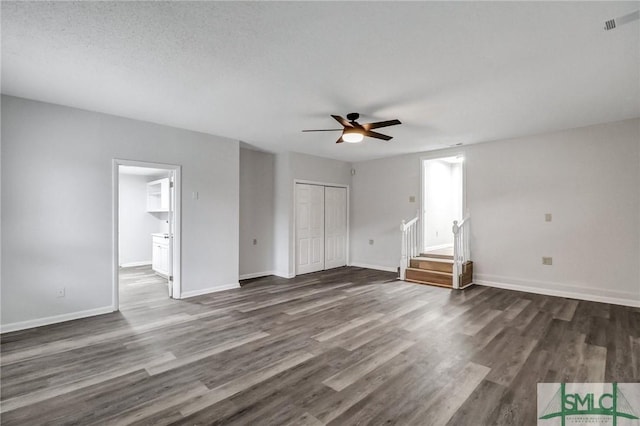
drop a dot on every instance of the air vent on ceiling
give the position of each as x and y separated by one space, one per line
629 17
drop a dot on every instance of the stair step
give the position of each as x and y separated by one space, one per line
429 283
443 278
432 264
437 256
467 274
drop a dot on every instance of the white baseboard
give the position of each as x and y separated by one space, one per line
283 274
194 293
131 264
39 322
376 267
256 275
559 289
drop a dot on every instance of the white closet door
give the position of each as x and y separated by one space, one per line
335 227
309 228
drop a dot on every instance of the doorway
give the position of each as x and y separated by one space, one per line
146 233
321 231
442 202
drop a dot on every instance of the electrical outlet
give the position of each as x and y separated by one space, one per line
547 260
255 241
60 292
547 217
370 242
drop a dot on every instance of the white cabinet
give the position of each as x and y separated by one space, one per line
160 254
158 195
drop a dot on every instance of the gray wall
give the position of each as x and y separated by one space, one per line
588 178
289 167
256 212
57 205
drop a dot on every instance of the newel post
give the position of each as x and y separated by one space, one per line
403 251
456 254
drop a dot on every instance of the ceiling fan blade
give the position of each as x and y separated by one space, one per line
342 121
339 139
324 130
377 135
379 124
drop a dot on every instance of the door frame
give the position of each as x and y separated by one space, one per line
177 225
435 156
295 203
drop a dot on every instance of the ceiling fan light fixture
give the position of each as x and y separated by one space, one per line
352 135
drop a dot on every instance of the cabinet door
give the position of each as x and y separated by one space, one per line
164 259
155 257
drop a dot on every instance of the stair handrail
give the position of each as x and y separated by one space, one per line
461 251
406 225
411 242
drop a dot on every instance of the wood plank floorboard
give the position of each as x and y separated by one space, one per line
341 347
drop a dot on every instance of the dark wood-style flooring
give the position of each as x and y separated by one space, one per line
140 285
340 347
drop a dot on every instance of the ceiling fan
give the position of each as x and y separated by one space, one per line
354 132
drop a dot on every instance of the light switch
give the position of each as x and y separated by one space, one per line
547 217
194 195
412 198
370 242
255 241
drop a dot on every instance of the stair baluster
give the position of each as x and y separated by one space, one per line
461 253
410 239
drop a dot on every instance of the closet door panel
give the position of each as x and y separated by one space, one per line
335 227
309 228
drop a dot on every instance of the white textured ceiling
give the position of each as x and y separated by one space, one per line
261 72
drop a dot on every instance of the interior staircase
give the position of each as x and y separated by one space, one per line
437 269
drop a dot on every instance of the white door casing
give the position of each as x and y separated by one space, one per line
335 227
171 207
173 260
309 228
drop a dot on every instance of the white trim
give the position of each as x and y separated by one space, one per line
376 267
39 322
314 182
438 247
434 155
293 233
132 264
256 275
194 293
453 151
559 290
177 234
283 274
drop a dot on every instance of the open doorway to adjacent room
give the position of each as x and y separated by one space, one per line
146 246
442 202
